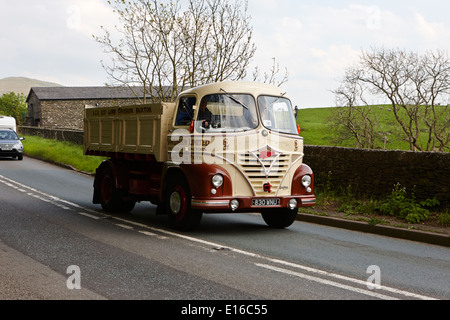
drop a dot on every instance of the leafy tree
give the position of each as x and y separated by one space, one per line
14 105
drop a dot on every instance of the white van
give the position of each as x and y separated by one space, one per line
7 123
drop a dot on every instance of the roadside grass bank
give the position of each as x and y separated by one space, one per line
60 152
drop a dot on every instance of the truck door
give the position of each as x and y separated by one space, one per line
185 111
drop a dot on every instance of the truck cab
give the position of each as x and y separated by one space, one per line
235 147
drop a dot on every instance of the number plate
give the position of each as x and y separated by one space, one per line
5 149
265 202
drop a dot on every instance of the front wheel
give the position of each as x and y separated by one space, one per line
178 205
279 218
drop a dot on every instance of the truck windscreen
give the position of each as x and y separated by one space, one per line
277 114
227 113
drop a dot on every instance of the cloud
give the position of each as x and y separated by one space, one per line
318 42
52 40
86 17
315 44
426 29
430 35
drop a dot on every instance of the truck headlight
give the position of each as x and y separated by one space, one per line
217 180
306 181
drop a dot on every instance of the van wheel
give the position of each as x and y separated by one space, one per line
111 198
279 218
178 205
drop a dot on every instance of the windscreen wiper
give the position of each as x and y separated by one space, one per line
234 99
273 102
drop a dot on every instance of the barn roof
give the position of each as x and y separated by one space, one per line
86 93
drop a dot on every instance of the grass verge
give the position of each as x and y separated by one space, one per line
60 152
345 205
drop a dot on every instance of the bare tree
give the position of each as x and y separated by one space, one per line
271 77
414 85
434 89
163 46
350 120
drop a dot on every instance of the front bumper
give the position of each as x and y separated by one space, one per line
10 153
246 204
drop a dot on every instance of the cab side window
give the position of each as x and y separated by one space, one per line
185 111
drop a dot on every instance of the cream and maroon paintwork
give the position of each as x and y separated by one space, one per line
144 148
255 164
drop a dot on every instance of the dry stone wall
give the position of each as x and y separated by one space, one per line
75 136
376 172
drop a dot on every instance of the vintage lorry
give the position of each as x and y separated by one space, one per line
226 147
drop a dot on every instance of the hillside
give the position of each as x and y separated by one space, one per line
313 123
22 85
316 129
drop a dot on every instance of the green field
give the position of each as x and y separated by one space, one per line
313 123
316 129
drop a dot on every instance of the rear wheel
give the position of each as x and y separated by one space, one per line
279 218
111 198
178 205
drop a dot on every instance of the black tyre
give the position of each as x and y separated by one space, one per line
178 206
111 198
279 218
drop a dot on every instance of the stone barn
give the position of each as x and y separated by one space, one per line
63 107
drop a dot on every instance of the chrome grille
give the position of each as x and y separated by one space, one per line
259 171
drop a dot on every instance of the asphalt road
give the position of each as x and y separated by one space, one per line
53 240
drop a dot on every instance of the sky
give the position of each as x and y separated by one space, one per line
316 41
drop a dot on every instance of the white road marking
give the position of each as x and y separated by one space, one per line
152 234
88 215
155 231
64 204
124 226
326 282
